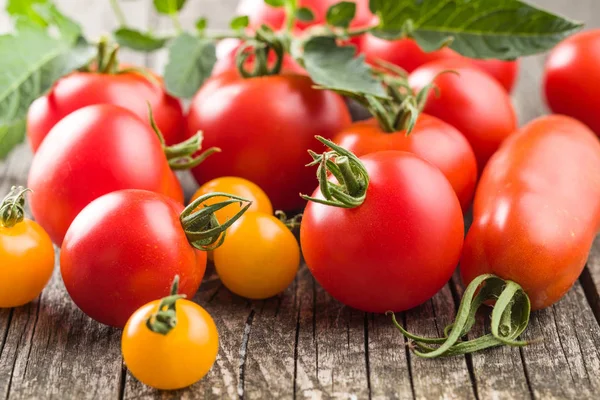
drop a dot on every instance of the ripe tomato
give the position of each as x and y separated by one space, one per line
123 250
537 209
260 257
128 90
572 78
26 253
93 151
261 13
396 249
471 101
239 187
407 54
177 358
431 139
264 126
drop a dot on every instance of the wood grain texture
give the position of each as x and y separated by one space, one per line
301 344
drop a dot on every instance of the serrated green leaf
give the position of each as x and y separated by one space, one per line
341 14
201 24
32 61
305 14
276 3
239 22
140 41
168 6
503 29
24 8
336 67
191 60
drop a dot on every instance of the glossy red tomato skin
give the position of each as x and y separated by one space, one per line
471 101
431 139
123 250
398 248
572 78
261 13
93 151
128 90
264 127
505 72
537 209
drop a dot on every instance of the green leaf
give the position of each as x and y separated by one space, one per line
504 29
240 22
341 14
32 61
201 24
24 8
140 41
191 60
305 14
276 3
168 6
333 67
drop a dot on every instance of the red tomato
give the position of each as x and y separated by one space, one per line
407 54
226 58
264 126
261 13
471 101
431 139
572 78
398 248
537 209
123 250
93 151
128 90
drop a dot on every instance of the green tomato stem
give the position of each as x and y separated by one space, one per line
12 208
118 12
165 319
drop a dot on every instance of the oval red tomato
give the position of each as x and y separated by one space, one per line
93 151
471 101
431 139
395 250
264 126
123 250
128 90
572 78
537 209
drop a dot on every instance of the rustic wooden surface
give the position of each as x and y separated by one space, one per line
303 343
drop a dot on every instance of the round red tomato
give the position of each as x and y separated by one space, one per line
123 250
95 150
261 13
128 90
431 139
471 101
264 126
395 250
505 72
572 78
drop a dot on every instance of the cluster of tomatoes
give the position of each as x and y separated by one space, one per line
383 231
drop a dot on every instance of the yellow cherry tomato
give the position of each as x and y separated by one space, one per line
237 186
259 258
26 253
181 350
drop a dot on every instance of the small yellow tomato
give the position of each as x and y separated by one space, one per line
175 359
26 253
239 187
259 258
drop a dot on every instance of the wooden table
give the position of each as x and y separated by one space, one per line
302 343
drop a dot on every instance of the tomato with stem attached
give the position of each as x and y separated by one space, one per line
383 232
124 248
96 150
260 257
26 253
170 343
130 87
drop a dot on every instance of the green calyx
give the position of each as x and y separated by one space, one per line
351 174
201 226
12 208
510 317
181 156
292 223
258 48
165 319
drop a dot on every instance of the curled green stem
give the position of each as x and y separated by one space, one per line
258 48
292 223
12 208
200 224
164 320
